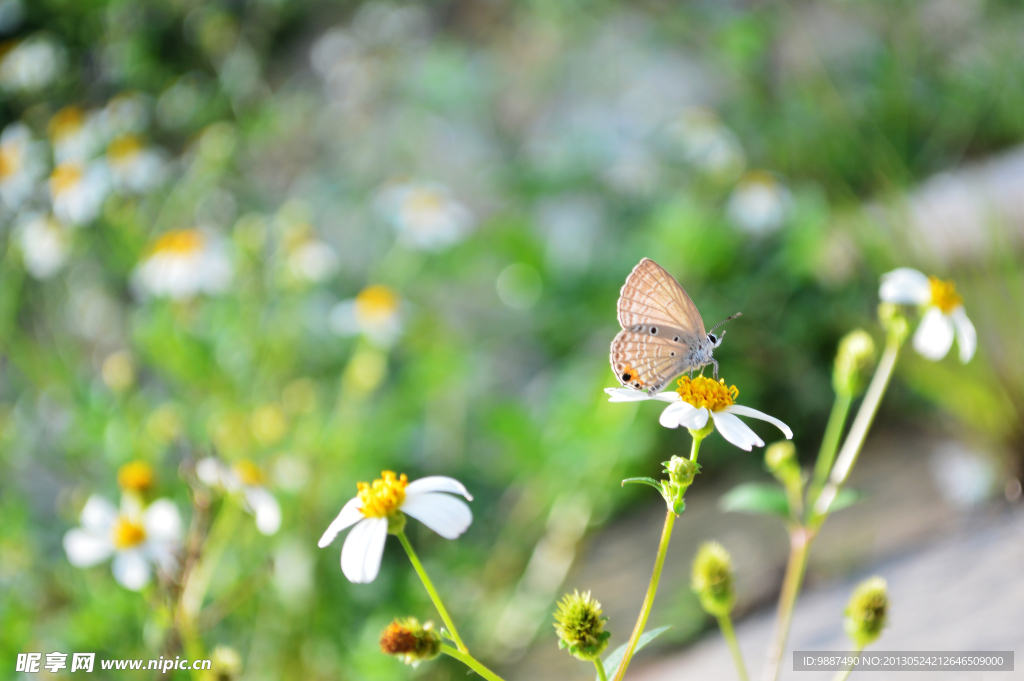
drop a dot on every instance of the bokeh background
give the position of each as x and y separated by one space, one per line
410 224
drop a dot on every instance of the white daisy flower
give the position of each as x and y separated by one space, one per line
425 215
944 314
376 313
139 539
75 134
32 64
182 264
306 258
245 478
695 400
133 165
45 245
78 190
126 113
22 164
372 510
701 139
759 204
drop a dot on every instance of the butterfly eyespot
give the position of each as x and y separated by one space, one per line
626 376
676 339
654 330
672 354
636 385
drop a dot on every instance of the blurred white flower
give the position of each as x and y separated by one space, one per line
699 138
31 65
22 164
375 312
138 538
245 478
45 244
759 204
125 114
75 134
306 258
425 215
182 264
696 400
379 504
133 165
78 190
943 317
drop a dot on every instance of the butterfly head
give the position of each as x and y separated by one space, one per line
715 340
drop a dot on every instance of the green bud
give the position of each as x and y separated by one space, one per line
854 360
866 611
712 579
893 320
580 626
680 473
780 458
410 642
226 663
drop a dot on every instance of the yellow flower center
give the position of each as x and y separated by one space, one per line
384 496
10 160
944 295
128 533
422 201
376 303
248 473
66 122
123 148
179 242
706 392
65 177
135 476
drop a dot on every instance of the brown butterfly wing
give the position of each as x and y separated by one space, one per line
662 330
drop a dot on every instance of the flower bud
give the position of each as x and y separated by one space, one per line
580 626
680 473
893 320
866 611
226 663
854 360
410 642
712 579
780 458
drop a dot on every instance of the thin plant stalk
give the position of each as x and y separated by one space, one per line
652 587
725 624
602 675
841 676
829 444
471 662
434 596
796 567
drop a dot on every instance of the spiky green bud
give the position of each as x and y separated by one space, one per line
712 579
580 626
410 641
680 474
780 459
866 612
854 360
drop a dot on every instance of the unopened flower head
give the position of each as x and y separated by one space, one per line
410 641
944 317
780 459
136 476
712 579
867 610
698 400
380 507
226 663
243 478
680 473
580 626
854 360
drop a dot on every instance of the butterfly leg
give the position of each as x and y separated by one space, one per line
715 362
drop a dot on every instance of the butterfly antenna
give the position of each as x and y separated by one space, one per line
738 314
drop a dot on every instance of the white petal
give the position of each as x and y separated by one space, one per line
266 508
934 336
626 395
162 521
350 515
684 414
446 515
98 515
735 431
85 548
740 410
209 471
131 570
966 336
436 483
906 286
363 548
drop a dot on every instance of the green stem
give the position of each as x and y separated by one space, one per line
829 444
859 430
725 623
602 675
796 567
470 661
841 676
434 596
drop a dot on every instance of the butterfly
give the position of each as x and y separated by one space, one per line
662 333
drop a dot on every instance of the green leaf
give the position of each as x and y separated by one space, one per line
644 481
614 659
846 497
756 497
